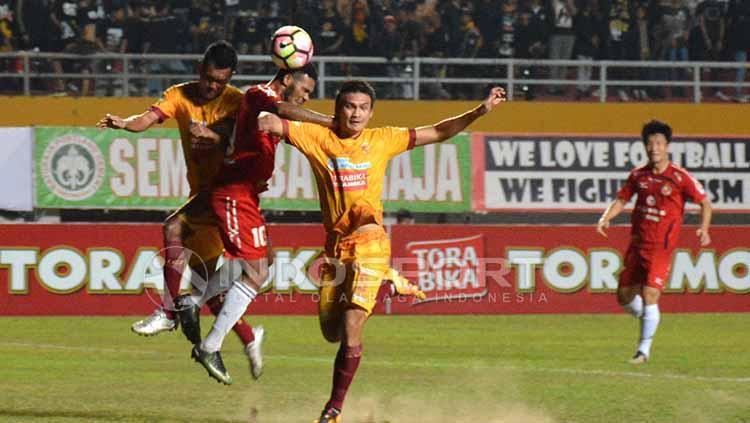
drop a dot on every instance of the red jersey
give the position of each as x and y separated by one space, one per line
251 154
660 205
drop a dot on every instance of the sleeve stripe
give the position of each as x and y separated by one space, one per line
162 116
412 138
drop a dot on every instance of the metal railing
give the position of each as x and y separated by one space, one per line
30 73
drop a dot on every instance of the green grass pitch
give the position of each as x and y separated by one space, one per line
416 369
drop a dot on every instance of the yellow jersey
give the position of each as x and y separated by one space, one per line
180 102
349 172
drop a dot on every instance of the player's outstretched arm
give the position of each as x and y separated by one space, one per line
270 123
702 232
291 111
135 123
614 209
447 128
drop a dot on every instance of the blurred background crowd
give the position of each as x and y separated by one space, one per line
655 30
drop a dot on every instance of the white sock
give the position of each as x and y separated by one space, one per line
649 323
235 304
635 307
220 281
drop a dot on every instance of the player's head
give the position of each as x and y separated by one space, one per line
656 136
355 103
297 84
216 69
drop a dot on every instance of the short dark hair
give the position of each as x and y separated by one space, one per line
356 86
221 54
308 69
656 127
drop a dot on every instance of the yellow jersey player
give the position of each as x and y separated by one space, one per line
349 165
205 111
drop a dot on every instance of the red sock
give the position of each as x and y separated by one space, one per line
347 361
174 264
241 328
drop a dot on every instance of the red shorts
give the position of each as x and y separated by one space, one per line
241 225
648 267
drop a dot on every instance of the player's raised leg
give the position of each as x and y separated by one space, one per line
164 318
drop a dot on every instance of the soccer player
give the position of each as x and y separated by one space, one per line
349 164
662 189
205 111
249 165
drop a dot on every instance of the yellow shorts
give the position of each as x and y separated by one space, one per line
201 236
355 268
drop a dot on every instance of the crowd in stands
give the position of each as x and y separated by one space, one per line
674 30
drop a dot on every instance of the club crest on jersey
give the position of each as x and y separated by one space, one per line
666 189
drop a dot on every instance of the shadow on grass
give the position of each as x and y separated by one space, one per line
107 416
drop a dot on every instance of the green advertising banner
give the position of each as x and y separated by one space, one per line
92 168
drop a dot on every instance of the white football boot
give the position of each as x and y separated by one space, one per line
254 352
156 323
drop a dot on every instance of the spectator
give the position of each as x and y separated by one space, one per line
738 41
66 21
450 21
33 17
411 29
112 38
671 35
357 38
587 25
487 15
329 35
206 24
707 37
86 44
434 44
248 33
471 42
531 40
619 18
639 45
506 45
389 45
163 31
562 38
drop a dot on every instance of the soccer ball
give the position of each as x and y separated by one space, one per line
291 47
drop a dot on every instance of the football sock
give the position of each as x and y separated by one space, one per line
635 307
219 282
649 323
241 328
174 264
345 366
235 304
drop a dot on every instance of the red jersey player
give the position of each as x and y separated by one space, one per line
247 167
662 189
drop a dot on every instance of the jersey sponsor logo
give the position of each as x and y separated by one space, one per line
650 200
343 163
73 167
350 180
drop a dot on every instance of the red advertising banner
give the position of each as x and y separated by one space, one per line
116 270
